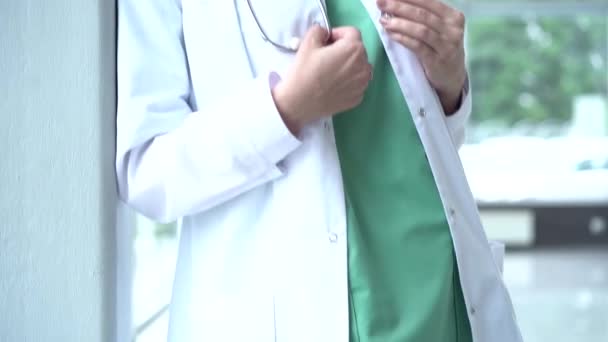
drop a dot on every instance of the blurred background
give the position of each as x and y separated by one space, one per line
537 162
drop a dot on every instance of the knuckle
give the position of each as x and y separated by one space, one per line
364 76
355 33
458 42
349 46
359 49
421 14
460 18
459 34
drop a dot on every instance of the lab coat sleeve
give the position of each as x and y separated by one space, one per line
172 162
457 122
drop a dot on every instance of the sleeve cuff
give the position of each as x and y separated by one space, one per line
460 117
267 131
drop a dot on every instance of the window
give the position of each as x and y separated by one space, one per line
539 129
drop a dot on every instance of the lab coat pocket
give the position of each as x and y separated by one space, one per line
498 252
233 318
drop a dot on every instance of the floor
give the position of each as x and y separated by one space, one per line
559 295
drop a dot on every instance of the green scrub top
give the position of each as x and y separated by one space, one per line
403 277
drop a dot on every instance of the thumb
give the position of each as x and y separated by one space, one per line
316 37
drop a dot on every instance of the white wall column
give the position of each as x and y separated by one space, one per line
57 190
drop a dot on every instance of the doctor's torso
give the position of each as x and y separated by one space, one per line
267 255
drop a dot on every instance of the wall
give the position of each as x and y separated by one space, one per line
57 191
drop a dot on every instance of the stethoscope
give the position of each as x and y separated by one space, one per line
294 44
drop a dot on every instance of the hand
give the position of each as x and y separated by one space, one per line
435 33
325 79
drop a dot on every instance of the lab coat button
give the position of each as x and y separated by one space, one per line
333 237
473 311
452 212
422 112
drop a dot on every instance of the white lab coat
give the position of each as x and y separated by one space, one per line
262 254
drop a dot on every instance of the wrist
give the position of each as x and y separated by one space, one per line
451 96
450 101
286 104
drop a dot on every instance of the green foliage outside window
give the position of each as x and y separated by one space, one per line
529 70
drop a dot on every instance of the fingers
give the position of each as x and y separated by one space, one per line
360 85
421 49
346 32
425 26
349 41
317 36
414 31
367 73
446 13
407 11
